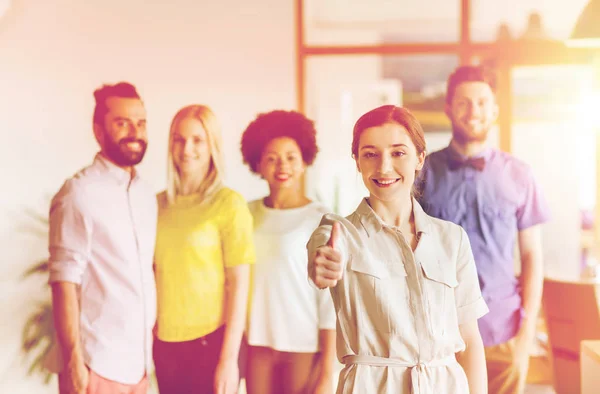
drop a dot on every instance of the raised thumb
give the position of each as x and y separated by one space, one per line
333 238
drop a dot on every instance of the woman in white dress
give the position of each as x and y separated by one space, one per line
291 325
404 284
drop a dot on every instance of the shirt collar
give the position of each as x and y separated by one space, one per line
373 224
119 174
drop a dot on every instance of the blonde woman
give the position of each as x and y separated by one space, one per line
203 251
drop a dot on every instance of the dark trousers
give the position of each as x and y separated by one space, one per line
188 367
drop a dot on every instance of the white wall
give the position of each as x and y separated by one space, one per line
550 136
339 90
236 56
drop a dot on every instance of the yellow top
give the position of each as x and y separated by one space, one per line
195 242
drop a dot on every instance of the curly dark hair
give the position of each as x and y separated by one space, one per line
275 124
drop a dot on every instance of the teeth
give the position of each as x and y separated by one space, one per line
387 182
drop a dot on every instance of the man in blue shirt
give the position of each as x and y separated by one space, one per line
495 198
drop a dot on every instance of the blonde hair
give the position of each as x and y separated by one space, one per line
214 177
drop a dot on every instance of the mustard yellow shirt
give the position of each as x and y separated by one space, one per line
195 242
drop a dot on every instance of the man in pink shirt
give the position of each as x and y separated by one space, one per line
102 234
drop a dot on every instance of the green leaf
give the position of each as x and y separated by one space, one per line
41 267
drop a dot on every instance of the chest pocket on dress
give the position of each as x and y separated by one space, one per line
438 291
380 292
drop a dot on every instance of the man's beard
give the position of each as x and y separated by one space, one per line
118 152
463 136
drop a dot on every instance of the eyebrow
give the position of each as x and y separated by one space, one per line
391 146
128 119
178 134
272 152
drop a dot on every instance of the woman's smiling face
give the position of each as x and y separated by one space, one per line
388 160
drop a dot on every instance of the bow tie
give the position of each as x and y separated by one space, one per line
455 162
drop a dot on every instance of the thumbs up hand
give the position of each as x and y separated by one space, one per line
326 263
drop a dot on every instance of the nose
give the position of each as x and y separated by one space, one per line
136 131
281 163
188 148
385 165
473 110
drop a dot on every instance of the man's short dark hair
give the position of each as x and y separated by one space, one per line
469 74
121 89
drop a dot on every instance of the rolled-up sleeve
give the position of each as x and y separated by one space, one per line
534 208
69 236
470 305
327 318
318 238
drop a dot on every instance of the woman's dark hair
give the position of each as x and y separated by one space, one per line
275 124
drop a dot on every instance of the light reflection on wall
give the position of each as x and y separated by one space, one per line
552 133
585 155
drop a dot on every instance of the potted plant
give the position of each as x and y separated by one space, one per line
38 332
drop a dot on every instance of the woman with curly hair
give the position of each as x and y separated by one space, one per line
291 324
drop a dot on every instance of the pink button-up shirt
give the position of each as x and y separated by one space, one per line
102 235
